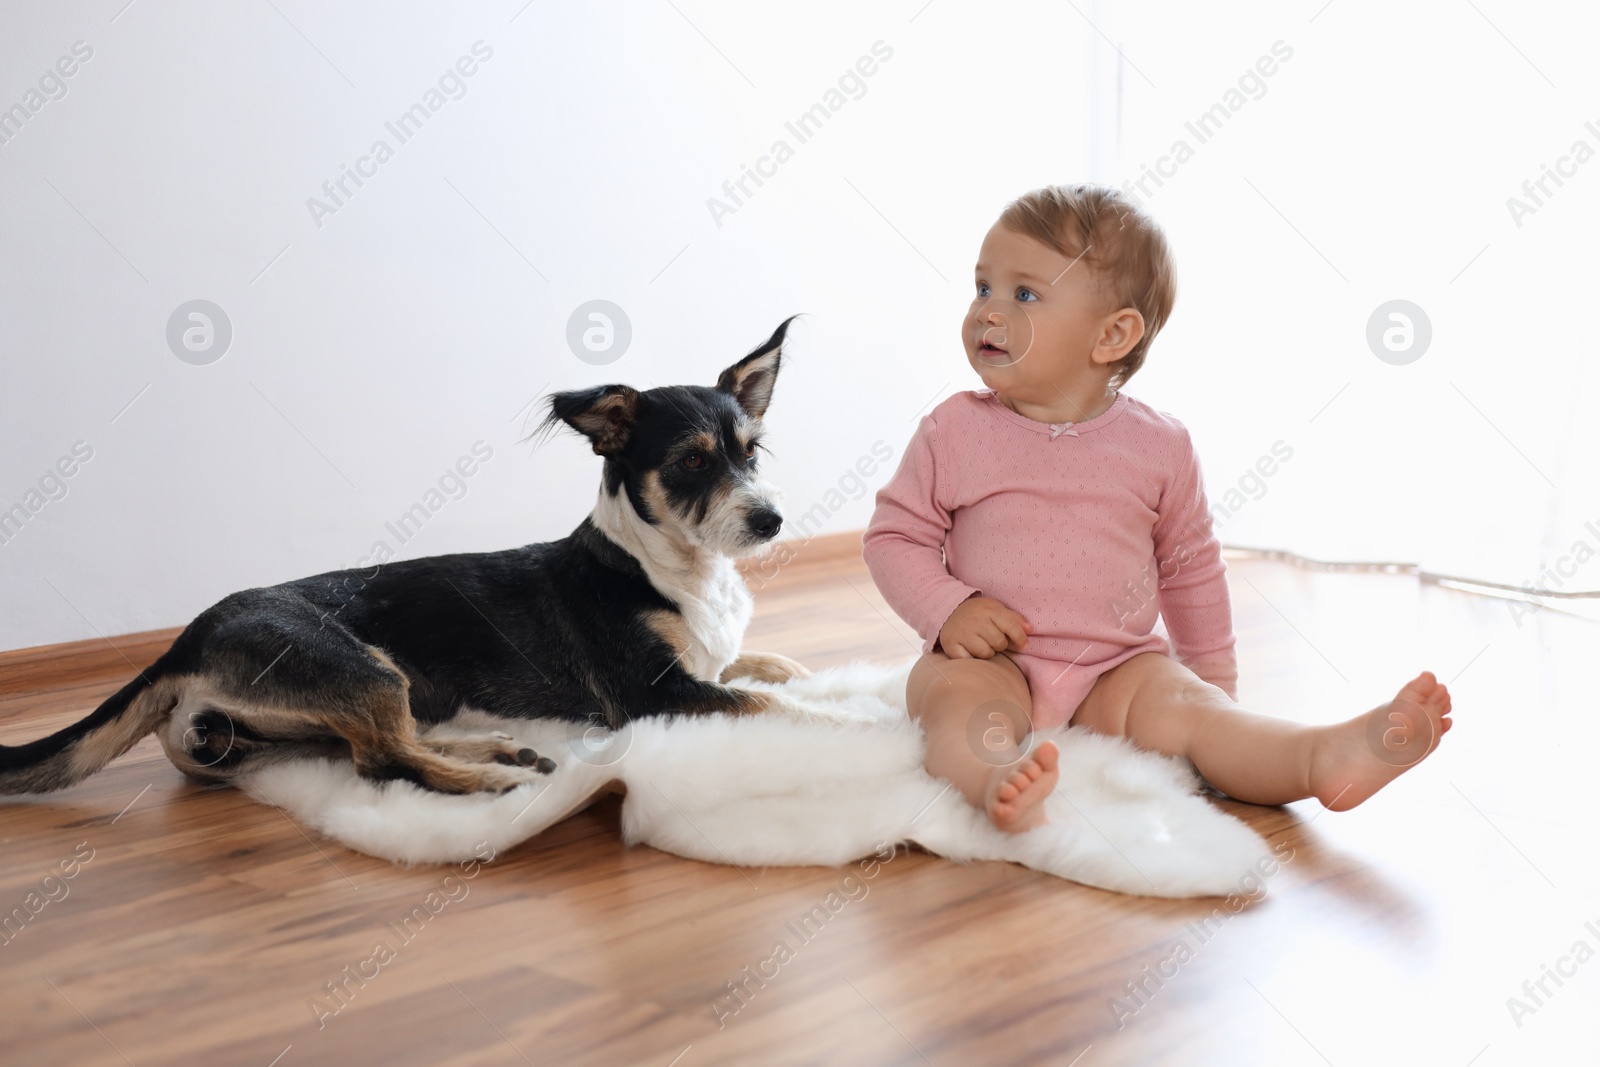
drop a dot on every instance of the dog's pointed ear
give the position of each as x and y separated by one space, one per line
751 379
602 413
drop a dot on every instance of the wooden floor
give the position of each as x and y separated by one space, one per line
204 924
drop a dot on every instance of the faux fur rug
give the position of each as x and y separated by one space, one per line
785 790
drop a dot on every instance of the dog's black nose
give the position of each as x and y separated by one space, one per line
765 523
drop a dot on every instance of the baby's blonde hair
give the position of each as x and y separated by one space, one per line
1124 246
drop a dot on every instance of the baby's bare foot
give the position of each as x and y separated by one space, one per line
1016 795
1355 759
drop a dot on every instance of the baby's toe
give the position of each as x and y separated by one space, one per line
1419 689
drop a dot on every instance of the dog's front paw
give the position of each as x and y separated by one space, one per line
793 669
765 667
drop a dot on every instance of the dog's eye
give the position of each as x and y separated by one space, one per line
750 450
694 461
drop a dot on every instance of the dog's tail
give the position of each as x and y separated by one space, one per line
70 755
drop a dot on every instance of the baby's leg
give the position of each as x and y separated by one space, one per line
1157 703
975 714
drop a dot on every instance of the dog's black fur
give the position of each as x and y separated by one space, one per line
629 616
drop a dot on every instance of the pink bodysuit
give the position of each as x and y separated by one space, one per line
1086 529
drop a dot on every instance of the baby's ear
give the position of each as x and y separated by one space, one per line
750 380
602 413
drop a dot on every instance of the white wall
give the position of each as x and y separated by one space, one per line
1380 161
369 354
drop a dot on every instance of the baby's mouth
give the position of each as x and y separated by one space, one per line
990 351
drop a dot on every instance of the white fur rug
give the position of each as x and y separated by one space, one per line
787 790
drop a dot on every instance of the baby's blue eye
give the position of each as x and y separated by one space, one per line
983 289
1026 296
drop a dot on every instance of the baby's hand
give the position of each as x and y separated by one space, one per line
980 627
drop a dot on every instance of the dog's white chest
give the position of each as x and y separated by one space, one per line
716 615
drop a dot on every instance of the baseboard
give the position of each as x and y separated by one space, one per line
51 666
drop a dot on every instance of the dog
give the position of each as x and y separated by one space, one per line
640 611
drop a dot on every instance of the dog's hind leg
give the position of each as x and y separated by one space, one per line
489 748
360 711
384 744
397 756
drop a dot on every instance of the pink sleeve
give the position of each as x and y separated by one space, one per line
1192 589
904 543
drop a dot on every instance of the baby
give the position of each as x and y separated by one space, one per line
1036 526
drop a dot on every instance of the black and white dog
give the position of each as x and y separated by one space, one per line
639 612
